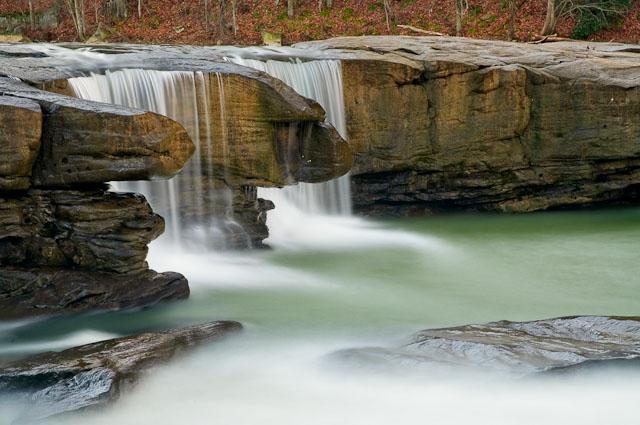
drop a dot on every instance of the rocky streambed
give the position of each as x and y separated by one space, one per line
95 375
516 348
432 125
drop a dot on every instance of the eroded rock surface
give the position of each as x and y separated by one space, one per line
442 123
86 229
66 243
95 374
20 131
87 142
518 348
46 291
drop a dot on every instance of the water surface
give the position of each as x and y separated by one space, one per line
341 282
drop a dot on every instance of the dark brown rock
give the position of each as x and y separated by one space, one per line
85 229
20 130
44 291
96 374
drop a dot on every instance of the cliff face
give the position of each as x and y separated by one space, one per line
66 244
447 123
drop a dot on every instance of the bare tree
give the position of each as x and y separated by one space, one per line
601 9
206 14
551 18
512 6
461 9
387 12
322 4
96 10
118 8
291 4
32 20
76 11
234 16
139 8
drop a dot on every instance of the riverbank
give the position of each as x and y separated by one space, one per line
185 22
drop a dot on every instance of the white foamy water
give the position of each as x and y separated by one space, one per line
287 385
320 80
197 211
56 344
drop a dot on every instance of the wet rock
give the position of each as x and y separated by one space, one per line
87 142
46 291
445 123
20 131
242 110
93 375
84 229
517 348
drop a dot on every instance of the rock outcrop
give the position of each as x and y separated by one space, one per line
86 142
96 374
18 148
250 129
515 348
66 243
444 123
262 128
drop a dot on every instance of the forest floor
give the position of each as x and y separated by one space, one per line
185 22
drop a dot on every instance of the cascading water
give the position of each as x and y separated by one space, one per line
196 209
320 80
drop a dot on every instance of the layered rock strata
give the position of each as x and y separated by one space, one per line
444 123
66 243
251 129
94 375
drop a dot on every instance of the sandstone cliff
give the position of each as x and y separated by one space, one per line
66 243
442 123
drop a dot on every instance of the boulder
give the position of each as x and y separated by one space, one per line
20 131
86 142
239 108
47 291
96 374
513 348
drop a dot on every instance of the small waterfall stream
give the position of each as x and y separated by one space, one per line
193 213
320 80
204 215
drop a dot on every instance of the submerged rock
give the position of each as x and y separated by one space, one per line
519 348
96 374
45 291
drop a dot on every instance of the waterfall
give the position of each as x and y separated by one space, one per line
320 80
193 213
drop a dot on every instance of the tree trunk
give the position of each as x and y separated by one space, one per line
32 20
139 8
513 9
234 17
76 11
459 16
96 9
386 14
290 8
206 14
550 20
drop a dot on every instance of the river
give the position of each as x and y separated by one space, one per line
341 282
